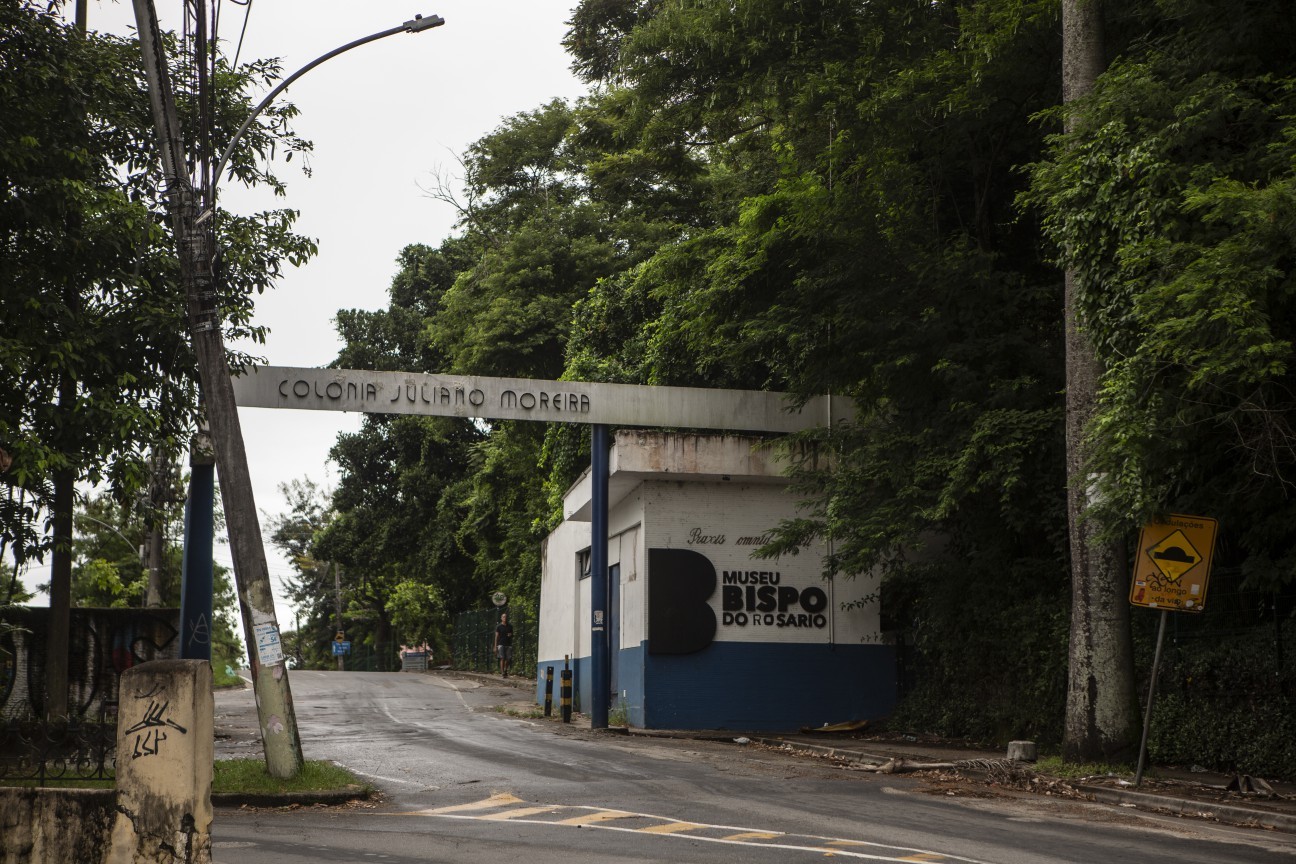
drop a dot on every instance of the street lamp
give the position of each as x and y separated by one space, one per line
280 740
100 522
417 24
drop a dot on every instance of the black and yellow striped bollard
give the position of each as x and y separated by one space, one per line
566 692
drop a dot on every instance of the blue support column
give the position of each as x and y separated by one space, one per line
600 626
196 574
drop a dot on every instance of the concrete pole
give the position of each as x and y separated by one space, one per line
153 592
274 698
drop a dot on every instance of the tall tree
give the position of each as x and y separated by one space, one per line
1101 714
93 345
855 232
1167 198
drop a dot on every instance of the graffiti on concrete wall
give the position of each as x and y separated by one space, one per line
148 734
102 644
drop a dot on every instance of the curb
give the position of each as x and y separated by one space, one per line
1199 809
821 750
288 799
1226 813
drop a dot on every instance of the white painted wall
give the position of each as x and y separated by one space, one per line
559 591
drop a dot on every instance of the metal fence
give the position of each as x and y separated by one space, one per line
50 753
474 636
377 657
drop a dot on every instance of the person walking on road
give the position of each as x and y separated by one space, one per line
504 644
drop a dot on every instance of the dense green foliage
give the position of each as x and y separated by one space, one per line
96 366
1174 201
876 200
107 570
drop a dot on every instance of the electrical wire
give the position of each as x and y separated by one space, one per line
246 15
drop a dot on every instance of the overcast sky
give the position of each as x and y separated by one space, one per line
385 119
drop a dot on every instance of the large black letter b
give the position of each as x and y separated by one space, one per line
680 621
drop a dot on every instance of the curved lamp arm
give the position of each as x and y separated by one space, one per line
415 25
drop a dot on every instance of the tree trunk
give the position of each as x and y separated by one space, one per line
60 618
1101 712
60 592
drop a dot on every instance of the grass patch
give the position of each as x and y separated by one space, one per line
221 678
527 714
249 776
1055 766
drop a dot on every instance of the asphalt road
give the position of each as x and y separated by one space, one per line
464 783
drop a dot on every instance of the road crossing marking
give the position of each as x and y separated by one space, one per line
519 813
485 804
753 835
601 818
671 828
596 817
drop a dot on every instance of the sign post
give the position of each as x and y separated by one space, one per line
1170 573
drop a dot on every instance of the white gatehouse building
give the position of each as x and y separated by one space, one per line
704 635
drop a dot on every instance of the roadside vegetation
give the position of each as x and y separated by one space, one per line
249 777
886 200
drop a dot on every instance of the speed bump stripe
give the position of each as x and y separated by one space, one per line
494 801
753 835
519 813
598 816
671 828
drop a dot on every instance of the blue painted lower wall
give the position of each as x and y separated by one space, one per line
757 687
769 687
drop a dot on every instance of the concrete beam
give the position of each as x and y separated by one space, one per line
527 399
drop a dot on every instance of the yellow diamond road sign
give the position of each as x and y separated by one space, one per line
1173 564
1174 556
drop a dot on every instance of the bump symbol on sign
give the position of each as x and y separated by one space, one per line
1174 556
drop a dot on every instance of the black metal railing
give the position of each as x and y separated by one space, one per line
50 753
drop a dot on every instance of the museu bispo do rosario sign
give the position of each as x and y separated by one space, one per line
527 399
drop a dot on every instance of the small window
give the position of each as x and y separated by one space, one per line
583 563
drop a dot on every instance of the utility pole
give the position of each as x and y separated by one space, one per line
278 720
